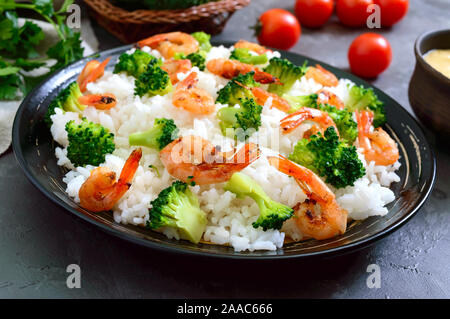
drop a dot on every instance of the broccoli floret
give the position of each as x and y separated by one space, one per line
177 207
347 127
134 64
162 133
203 41
154 81
364 99
88 143
286 72
244 120
67 100
197 59
271 213
244 55
298 102
234 91
329 157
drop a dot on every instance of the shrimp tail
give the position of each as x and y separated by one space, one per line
126 176
130 167
99 101
266 78
364 120
308 181
93 75
292 121
151 41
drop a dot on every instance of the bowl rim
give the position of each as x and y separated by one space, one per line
347 248
420 56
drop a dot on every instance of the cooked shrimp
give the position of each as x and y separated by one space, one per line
231 68
191 98
99 101
262 96
91 72
378 146
173 67
322 221
322 76
259 49
168 44
101 191
194 159
293 120
327 97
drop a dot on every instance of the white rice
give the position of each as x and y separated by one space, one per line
229 219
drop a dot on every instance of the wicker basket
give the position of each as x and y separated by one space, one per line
131 26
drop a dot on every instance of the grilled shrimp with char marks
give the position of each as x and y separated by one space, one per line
192 98
320 216
194 159
231 68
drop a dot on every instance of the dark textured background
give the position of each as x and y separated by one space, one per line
38 239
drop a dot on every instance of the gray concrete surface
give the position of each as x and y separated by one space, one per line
38 240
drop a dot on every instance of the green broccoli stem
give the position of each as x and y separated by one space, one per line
260 59
272 214
262 200
244 56
228 114
256 59
147 138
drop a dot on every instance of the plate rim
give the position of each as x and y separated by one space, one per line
350 247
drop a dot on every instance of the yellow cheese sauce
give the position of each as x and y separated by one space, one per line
440 60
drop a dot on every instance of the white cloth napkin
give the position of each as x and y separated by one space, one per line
8 108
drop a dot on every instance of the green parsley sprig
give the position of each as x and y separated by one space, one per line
18 45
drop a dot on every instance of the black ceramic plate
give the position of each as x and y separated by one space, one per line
34 149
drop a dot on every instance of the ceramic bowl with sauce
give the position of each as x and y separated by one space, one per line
429 88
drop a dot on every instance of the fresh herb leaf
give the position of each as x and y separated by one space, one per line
9 32
10 81
9 87
45 7
64 7
30 35
6 28
66 51
20 43
7 5
28 65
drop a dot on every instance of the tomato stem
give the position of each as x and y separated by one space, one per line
257 28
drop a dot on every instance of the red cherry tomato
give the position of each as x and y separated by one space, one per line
392 11
314 13
369 55
278 29
353 13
